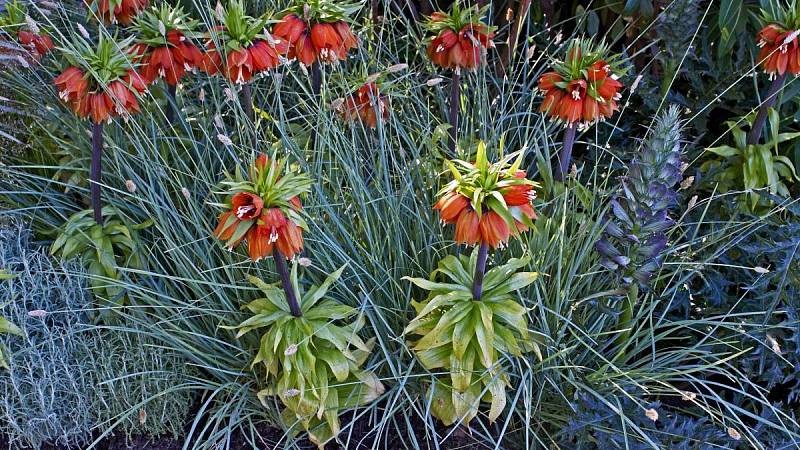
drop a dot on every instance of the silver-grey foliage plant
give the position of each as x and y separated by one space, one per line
46 394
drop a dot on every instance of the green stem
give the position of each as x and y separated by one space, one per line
626 317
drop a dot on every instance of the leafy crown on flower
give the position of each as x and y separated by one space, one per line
488 203
460 39
163 47
29 34
246 47
100 82
780 50
113 11
585 86
318 30
264 209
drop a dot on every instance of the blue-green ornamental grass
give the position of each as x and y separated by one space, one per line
705 354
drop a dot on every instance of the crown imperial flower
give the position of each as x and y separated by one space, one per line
29 35
460 40
116 11
101 83
488 203
163 48
265 210
365 105
318 30
585 87
246 47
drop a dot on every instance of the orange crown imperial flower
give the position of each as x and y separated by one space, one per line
365 105
488 203
318 31
264 210
583 88
163 48
460 40
116 11
29 34
101 82
246 47
778 40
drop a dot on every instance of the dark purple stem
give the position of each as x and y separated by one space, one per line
763 111
94 175
316 78
286 282
480 270
455 107
247 102
565 157
173 103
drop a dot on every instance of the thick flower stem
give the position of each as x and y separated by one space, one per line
455 106
316 78
565 157
480 270
94 176
286 282
247 102
626 317
172 101
769 101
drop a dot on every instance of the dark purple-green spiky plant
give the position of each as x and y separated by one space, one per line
635 229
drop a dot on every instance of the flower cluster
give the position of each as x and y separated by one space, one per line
461 39
584 88
780 52
117 11
101 82
488 203
29 34
162 48
635 228
365 106
265 210
246 47
316 34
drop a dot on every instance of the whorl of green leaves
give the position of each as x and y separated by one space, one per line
753 166
324 11
106 62
483 182
153 24
313 362
581 54
103 248
781 12
458 18
467 337
13 17
239 29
